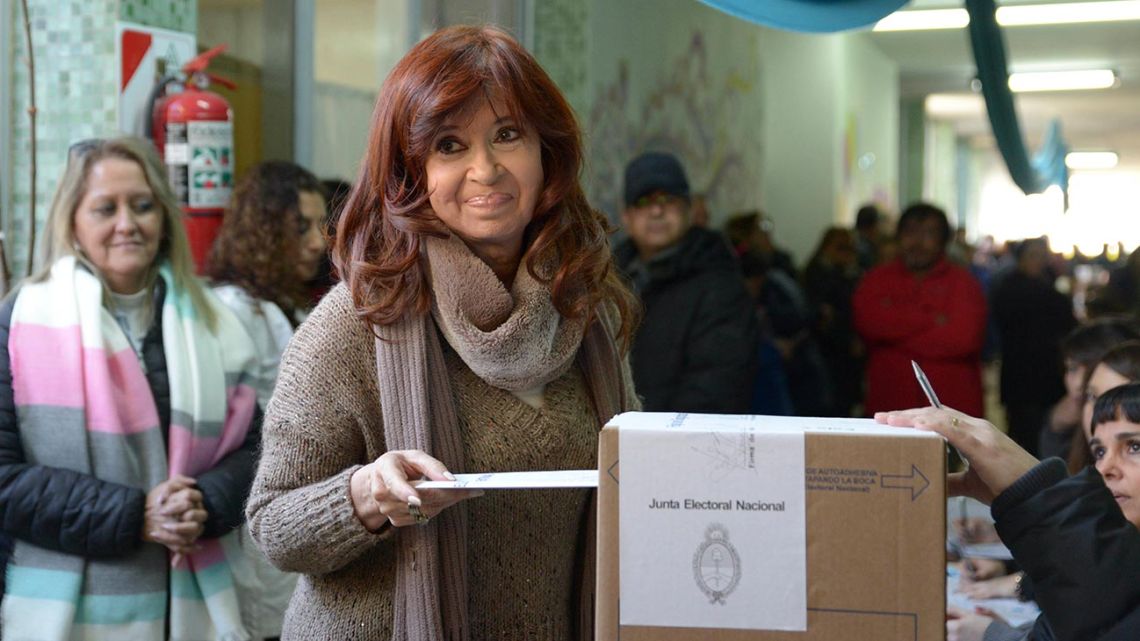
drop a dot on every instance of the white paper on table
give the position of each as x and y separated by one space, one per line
993 551
712 522
516 480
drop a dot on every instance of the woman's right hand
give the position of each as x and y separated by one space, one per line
382 492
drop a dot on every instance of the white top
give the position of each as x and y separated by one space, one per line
263 590
535 396
133 313
268 328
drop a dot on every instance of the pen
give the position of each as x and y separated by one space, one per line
924 383
928 389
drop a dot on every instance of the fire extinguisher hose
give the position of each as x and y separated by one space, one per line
156 92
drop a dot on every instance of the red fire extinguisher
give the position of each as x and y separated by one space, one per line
194 131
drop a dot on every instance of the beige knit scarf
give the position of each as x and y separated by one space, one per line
513 339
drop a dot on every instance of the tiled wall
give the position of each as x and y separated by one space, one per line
560 45
176 15
74 50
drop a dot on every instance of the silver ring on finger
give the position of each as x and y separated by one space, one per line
418 514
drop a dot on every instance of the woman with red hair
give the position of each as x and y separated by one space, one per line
480 326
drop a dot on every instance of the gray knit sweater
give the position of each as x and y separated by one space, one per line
324 422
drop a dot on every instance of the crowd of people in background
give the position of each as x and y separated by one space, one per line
836 337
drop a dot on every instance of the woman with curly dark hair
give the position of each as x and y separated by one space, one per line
480 327
271 242
272 238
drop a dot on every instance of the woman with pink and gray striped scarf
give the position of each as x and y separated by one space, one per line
128 427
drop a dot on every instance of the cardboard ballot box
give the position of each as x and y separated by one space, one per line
769 528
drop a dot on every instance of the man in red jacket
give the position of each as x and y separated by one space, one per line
924 308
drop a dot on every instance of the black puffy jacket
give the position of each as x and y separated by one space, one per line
698 344
79 514
1069 535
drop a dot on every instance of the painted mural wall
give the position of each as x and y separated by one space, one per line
677 77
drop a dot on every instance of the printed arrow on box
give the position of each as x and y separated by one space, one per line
916 482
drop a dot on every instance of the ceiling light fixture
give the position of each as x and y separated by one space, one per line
1015 15
953 105
1091 159
1062 80
924 20
1068 13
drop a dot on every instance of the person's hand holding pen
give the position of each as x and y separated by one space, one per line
928 390
978 443
996 461
968 568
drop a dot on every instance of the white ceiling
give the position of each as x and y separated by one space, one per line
942 62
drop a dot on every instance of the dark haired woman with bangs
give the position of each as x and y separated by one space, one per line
480 326
1076 537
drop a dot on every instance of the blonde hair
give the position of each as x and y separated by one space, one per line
59 238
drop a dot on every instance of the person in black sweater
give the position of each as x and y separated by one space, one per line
1069 534
1032 318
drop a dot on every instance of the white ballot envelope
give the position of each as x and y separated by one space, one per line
515 480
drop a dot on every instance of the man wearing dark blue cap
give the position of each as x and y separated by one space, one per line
696 349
